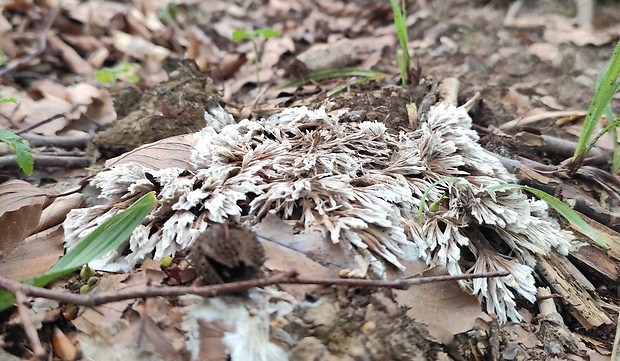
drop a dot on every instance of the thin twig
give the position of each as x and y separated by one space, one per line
76 141
44 121
31 331
22 290
45 161
226 288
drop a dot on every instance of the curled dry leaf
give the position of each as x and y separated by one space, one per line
170 152
21 205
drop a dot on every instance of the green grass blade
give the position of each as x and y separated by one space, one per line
573 218
602 97
107 237
336 73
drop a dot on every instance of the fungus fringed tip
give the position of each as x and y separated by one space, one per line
357 183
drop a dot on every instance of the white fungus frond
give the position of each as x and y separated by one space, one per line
357 183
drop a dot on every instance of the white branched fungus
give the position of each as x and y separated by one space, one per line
250 319
358 184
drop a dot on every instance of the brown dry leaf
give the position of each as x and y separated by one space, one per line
152 55
145 334
342 53
21 205
34 112
563 31
170 152
105 320
55 213
35 255
519 101
212 347
443 307
97 13
312 255
72 59
6 40
545 51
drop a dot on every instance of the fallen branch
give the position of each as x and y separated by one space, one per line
289 277
45 161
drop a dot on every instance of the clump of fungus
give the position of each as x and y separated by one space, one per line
357 183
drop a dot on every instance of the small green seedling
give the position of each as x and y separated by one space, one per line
3 59
240 35
124 70
605 90
87 272
23 152
168 14
402 55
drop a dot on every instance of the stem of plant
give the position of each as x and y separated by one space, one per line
256 61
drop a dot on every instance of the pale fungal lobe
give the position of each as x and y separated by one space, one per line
357 183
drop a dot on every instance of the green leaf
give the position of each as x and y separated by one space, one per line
105 76
240 34
8 100
267 33
573 218
132 79
106 238
25 161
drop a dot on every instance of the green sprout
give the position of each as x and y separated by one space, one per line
3 58
110 76
23 152
240 35
402 55
605 90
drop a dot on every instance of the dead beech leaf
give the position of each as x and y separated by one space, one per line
105 320
34 255
145 334
74 61
170 152
312 255
56 212
21 205
519 101
152 55
34 112
443 307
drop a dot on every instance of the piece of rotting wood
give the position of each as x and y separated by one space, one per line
574 295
